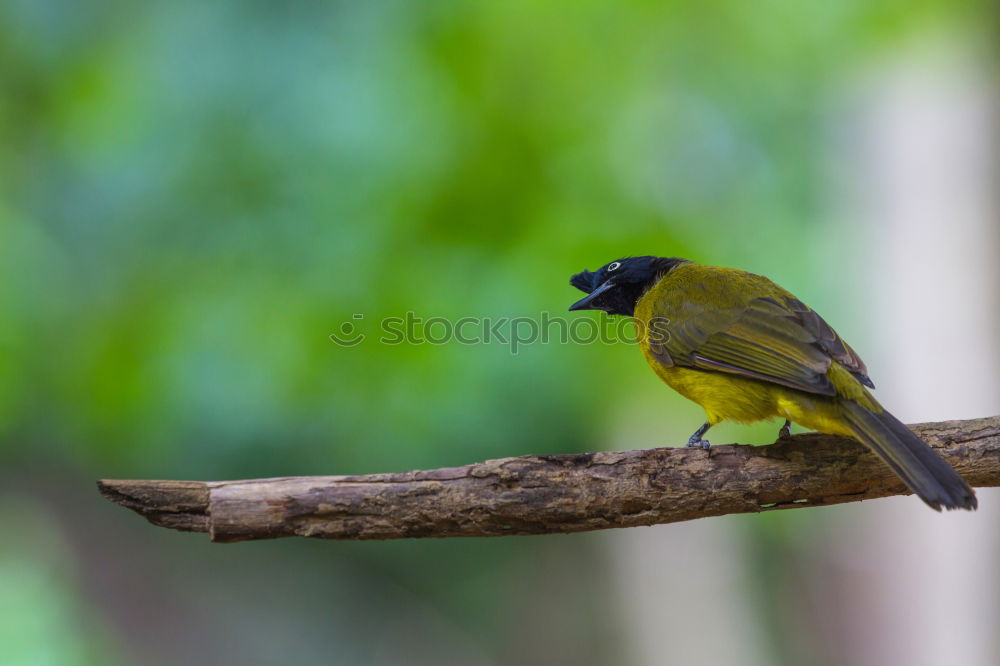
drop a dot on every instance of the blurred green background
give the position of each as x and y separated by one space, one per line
194 196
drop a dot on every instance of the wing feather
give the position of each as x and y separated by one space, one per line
784 343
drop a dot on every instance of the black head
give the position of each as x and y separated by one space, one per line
616 287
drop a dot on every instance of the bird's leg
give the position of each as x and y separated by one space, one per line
696 440
786 430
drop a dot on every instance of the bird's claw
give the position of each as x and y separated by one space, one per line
786 430
699 443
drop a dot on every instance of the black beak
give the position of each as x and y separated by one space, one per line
585 302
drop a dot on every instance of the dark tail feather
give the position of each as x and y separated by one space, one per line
924 471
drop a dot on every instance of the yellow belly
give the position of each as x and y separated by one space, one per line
732 398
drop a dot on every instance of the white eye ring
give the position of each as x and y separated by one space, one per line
613 266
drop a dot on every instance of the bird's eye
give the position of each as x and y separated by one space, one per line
613 266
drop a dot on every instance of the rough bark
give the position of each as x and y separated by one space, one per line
554 493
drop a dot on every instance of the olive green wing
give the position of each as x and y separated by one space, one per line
773 339
828 340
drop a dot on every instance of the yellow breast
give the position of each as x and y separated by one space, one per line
723 397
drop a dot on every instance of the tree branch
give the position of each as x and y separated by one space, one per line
558 493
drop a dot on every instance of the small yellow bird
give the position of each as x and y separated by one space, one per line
747 350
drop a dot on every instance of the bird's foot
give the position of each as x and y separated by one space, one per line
696 441
786 430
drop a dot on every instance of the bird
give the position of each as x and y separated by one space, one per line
747 350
